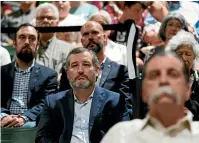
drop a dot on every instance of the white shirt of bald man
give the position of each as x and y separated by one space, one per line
150 130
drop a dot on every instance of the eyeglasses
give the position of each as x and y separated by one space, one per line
47 17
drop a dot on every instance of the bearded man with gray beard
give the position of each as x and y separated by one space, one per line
165 88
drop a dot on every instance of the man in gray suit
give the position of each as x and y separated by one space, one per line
52 51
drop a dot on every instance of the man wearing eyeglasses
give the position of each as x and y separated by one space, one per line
52 51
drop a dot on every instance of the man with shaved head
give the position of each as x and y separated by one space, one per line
111 76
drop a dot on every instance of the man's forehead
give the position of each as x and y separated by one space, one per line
166 61
81 57
27 30
45 11
92 25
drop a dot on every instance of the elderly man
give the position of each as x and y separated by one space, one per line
24 83
165 89
52 52
84 113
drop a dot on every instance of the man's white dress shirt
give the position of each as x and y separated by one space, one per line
150 130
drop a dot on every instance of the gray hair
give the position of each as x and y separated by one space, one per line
103 14
184 38
78 51
172 15
49 6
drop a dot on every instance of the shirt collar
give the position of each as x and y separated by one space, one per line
27 70
183 123
90 97
102 64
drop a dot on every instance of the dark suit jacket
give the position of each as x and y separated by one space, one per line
114 77
57 117
43 81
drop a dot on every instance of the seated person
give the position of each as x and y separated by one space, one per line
185 45
84 113
112 76
166 88
24 83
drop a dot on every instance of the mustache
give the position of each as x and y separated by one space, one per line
162 91
90 43
79 76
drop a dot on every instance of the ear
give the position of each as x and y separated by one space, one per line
14 44
144 94
105 39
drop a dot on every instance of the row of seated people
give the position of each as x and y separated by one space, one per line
21 89
91 45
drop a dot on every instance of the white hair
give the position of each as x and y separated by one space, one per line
49 6
103 13
168 90
184 38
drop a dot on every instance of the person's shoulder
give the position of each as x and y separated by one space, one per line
7 66
44 68
126 127
52 99
195 127
116 65
62 44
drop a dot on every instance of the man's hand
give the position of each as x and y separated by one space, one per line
12 121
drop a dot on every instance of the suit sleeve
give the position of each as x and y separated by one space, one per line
49 88
124 88
121 111
45 127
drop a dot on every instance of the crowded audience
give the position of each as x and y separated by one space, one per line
120 61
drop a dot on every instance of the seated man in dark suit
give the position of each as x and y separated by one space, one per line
112 76
24 83
84 113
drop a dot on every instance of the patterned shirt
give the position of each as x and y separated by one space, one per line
80 132
20 91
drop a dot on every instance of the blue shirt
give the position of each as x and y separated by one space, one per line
80 132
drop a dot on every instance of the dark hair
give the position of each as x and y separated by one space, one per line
172 54
81 50
130 3
26 25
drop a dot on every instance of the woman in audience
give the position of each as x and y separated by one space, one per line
185 45
172 23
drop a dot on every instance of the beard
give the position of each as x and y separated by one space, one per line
161 91
25 55
96 49
75 84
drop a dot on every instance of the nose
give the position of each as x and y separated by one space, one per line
26 41
164 80
184 57
80 69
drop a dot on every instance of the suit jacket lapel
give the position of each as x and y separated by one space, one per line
105 72
34 76
11 72
98 100
67 104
